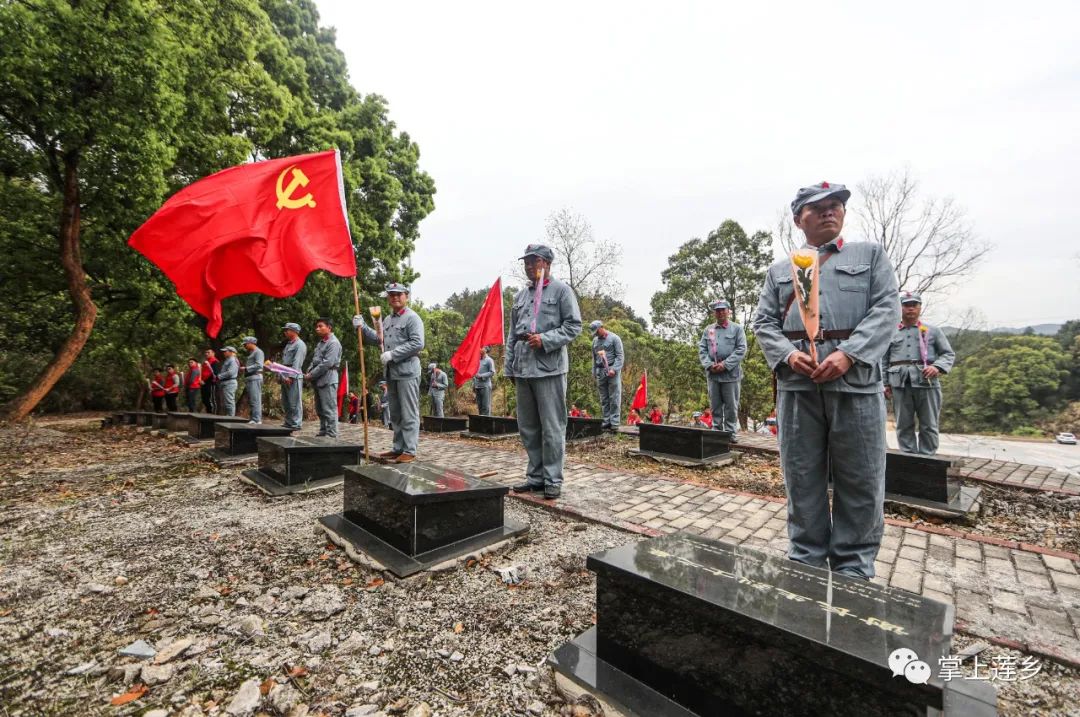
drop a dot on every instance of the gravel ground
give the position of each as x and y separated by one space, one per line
108 537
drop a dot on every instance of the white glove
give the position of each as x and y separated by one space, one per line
385 357
357 321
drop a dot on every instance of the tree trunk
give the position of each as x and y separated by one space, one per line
85 310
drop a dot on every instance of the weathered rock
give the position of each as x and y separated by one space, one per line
361 710
295 592
456 657
251 625
323 603
156 713
174 649
121 580
319 643
420 710
140 649
536 707
283 698
245 700
156 674
353 643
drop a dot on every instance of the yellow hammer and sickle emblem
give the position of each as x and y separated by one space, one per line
285 199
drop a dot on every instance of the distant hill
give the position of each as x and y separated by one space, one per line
1039 329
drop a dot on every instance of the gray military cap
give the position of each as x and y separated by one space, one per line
249 340
292 326
431 367
910 297
719 304
817 192
539 250
595 325
230 348
395 288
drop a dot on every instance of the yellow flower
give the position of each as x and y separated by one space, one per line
803 261
923 328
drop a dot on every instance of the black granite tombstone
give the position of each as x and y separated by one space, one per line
492 426
301 463
577 428
239 439
693 445
177 422
159 421
201 426
409 517
691 626
929 482
131 418
444 424
117 418
144 419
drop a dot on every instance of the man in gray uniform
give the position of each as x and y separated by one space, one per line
403 336
721 352
912 363
324 372
437 389
482 383
607 351
230 369
253 377
292 387
831 412
536 358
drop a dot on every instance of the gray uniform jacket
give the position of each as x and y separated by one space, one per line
726 345
558 323
857 291
294 354
230 369
403 337
439 381
325 362
254 364
612 348
905 347
483 376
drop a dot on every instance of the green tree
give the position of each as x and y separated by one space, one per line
727 264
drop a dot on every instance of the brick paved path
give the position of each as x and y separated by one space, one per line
1005 473
1023 597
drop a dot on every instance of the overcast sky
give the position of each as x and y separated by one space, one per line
657 121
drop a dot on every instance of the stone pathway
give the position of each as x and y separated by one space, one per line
1021 596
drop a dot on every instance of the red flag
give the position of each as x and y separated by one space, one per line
641 396
485 331
258 228
343 387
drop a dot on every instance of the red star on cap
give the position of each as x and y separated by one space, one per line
824 185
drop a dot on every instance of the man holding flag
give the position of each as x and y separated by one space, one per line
323 372
403 340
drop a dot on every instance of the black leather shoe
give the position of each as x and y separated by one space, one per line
552 493
526 488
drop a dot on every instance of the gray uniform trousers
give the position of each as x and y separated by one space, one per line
326 407
847 424
483 401
437 398
404 395
724 402
253 387
292 403
610 398
228 397
541 417
910 403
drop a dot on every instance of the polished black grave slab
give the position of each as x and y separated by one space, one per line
683 443
144 419
302 463
577 428
159 421
491 426
444 424
928 483
177 421
409 517
722 629
201 426
240 439
130 418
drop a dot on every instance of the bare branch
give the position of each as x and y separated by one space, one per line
588 265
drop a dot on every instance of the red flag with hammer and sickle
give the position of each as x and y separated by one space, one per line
259 228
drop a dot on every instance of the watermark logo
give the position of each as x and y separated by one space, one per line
904 662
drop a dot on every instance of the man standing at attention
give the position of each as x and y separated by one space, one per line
323 371
403 340
253 377
482 383
209 381
437 389
917 355
230 369
545 318
831 412
292 393
721 352
607 352
192 383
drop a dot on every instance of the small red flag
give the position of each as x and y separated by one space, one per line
641 396
343 387
485 331
258 228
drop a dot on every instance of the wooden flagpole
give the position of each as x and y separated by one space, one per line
363 373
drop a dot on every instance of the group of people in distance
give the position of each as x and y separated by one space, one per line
830 410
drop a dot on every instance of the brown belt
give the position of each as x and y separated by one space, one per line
830 335
905 363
